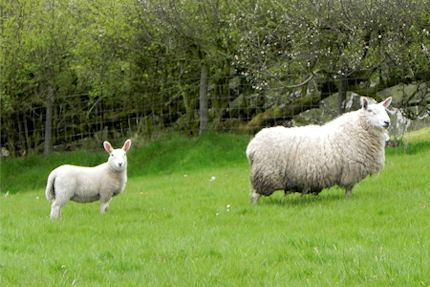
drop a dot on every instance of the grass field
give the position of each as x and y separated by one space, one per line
185 220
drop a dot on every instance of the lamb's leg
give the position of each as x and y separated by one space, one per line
56 208
63 193
254 196
104 205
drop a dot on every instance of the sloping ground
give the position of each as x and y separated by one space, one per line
192 225
172 153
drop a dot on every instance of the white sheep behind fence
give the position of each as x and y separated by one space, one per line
310 158
88 184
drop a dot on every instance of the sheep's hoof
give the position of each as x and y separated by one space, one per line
254 197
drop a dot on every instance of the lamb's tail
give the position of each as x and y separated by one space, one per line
50 187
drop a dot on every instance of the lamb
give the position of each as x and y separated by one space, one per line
310 158
88 184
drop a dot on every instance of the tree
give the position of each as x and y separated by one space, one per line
304 47
74 70
194 32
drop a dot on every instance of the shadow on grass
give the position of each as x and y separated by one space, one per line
302 200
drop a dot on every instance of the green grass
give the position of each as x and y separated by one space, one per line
175 227
173 153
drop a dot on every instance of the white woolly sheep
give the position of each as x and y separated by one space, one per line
88 184
310 158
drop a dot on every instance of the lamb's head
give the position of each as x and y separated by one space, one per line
375 113
117 157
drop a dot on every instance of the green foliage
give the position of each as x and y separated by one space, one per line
180 228
104 62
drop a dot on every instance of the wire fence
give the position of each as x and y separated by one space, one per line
82 120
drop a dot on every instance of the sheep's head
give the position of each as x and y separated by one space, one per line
375 113
117 157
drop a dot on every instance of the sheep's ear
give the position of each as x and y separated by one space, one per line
364 102
127 145
386 103
108 147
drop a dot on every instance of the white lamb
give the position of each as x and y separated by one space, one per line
310 158
88 184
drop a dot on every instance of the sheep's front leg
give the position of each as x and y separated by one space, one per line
104 204
305 191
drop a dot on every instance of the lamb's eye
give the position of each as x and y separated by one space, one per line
111 154
369 110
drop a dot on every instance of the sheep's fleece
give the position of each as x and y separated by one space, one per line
310 158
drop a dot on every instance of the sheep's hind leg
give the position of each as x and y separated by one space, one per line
104 205
348 191
287 192
254 196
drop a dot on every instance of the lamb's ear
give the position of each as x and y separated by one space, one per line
364 102
127 145
386 103
108 147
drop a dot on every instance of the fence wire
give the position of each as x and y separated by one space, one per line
82 120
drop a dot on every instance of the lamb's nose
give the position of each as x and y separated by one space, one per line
120 164
386 124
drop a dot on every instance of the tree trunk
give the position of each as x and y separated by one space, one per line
47 146
20 133
203 99
27 138
341 100
10 133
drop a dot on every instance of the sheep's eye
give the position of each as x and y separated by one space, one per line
111 154
369 110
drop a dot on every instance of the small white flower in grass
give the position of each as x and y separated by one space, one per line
37 197
213 178
228 206
6 194
185 175
317 252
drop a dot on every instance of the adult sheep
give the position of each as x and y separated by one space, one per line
310 158
88 184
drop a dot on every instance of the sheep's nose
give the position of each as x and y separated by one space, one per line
386 124
120 164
